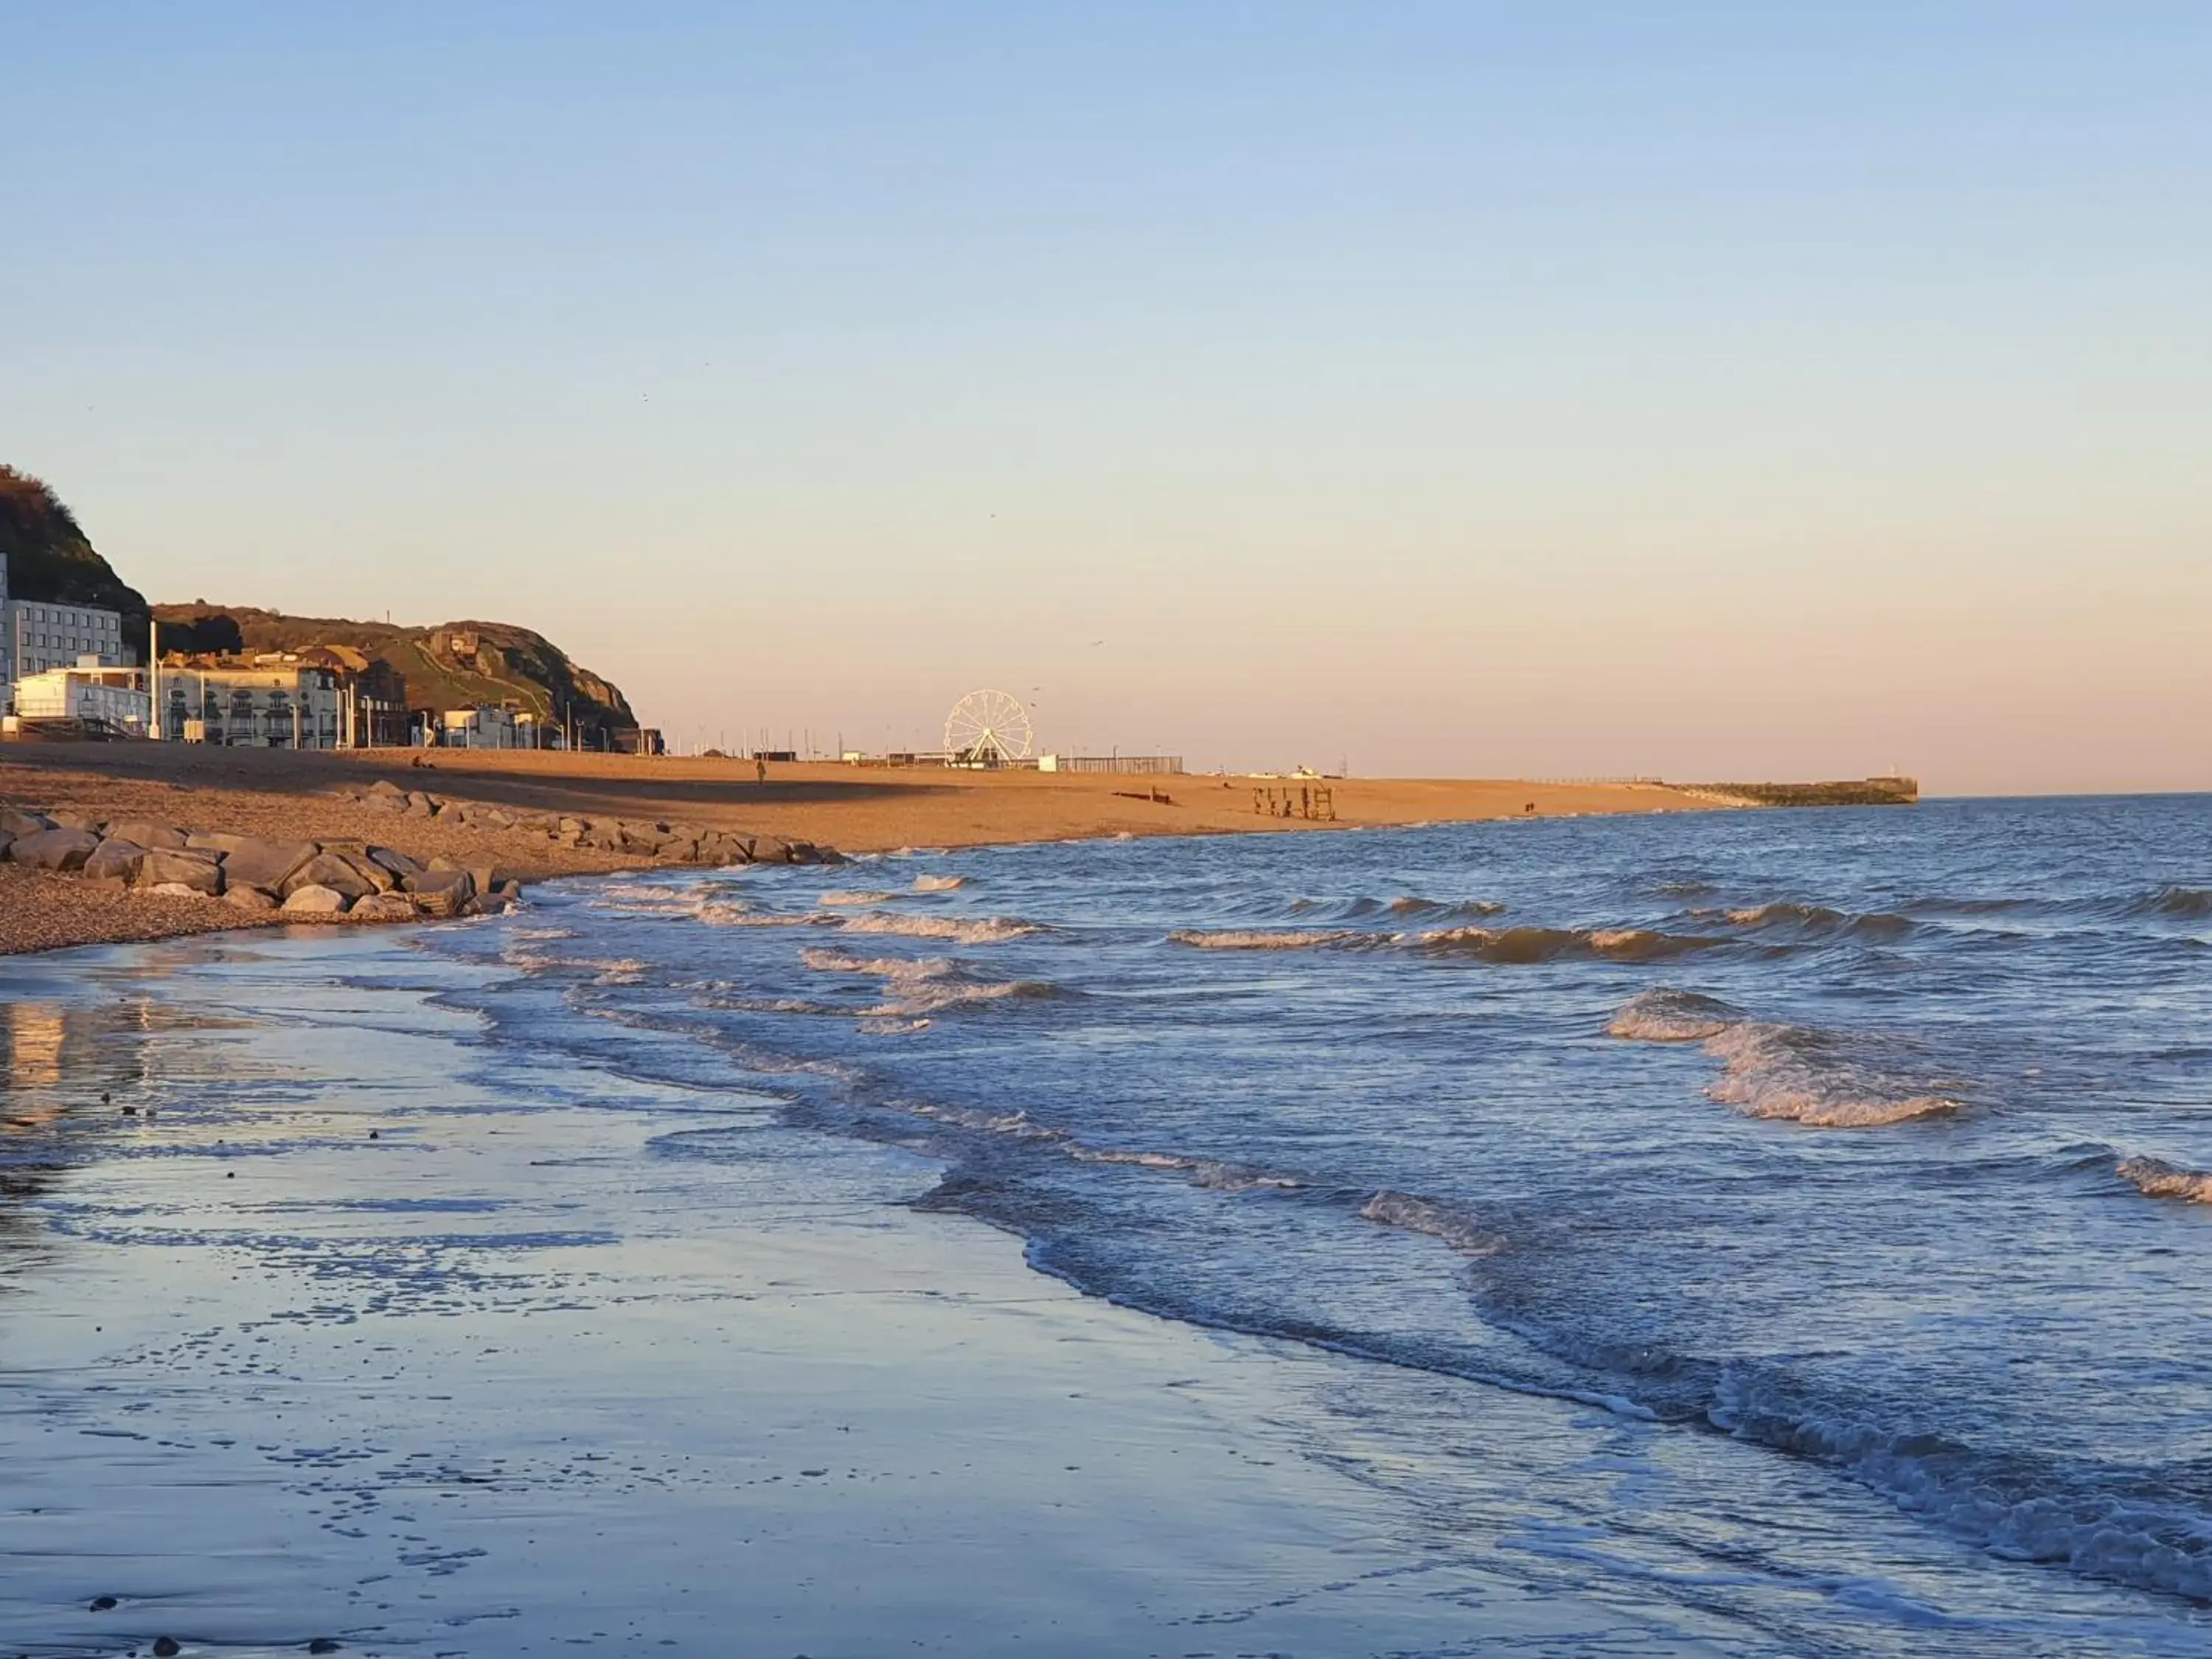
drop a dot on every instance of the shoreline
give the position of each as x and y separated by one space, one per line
278 793
339 1363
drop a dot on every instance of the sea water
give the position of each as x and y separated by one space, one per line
1868 1149
1791 1228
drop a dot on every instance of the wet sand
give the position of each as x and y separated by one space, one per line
347 1334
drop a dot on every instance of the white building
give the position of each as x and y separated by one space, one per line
112 696
251 708
40 636
482 727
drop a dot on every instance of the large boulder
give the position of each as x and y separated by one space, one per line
339 871
54 849
252 900
268 865
71 819
398 863
313 900
18 822
171 890
164 866
115 859
457 882
382 906
147 832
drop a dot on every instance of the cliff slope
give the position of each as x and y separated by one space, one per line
53 561
452 666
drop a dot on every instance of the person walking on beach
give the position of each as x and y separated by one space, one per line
760 769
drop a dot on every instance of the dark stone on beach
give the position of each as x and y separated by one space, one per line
268 865
217 841
457 883
147 833
342 872
198 871
15 821
398 863
115 859
323 1644
439 904
55 849
103 1604
165 1647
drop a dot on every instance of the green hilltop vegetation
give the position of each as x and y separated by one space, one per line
50 561
452 666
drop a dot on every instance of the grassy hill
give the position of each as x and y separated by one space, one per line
52 561
452 666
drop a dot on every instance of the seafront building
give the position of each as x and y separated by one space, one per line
110 697
254 705
43 637
485 726
36 636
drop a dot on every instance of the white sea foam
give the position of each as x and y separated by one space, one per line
1822 1079
1202 1171
920 986
854 896
1668 1016
1231 938
975 930
1456 1227
2156 1178
1533 944
939 883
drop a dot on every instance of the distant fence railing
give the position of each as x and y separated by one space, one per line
1155 765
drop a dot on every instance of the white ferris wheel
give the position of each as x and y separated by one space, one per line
988 728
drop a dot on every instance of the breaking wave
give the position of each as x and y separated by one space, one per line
980 930
1532 945
1202 1171
2156 1178
849 896
1824 1080
1231 938
2188 902
1666 1016
939 883
920 986
1420 1215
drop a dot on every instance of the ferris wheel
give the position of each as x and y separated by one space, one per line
988 728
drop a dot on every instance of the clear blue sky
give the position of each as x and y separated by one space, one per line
1706 390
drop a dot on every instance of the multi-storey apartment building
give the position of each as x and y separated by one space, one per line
247 706
41 635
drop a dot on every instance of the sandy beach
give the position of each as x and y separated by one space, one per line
279 793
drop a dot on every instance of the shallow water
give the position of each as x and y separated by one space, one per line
1860 1146
1782 1231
